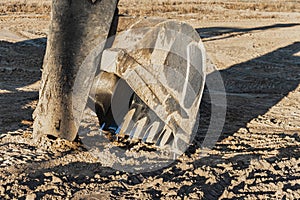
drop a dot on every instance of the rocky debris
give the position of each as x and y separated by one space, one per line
2 190
31 197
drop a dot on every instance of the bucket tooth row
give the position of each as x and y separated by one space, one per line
146 130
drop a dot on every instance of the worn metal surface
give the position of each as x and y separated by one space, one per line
163 62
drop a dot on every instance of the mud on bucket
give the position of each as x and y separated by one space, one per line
147 96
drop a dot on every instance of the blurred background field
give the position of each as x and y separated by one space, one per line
158 7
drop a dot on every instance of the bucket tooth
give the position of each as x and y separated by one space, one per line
166 137
152 132
128 122
138 129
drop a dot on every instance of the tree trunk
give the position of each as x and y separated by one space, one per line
78 30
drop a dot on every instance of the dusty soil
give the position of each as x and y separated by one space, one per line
257 51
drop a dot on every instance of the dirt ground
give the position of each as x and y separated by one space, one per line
256 48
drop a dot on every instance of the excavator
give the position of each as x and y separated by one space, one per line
143 84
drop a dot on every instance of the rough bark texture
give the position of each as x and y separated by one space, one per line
77 28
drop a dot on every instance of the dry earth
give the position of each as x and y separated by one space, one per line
256 47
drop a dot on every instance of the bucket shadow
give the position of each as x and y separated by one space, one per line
252 89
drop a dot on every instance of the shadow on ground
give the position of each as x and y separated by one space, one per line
219 33
252 88
20 65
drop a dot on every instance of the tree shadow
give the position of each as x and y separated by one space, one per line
219 33
20 65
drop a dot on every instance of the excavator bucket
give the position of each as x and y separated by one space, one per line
151 83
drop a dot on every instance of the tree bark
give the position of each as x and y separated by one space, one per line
78 29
